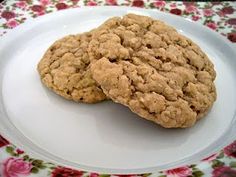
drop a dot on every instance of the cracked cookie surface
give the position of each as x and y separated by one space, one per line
65 68
148 66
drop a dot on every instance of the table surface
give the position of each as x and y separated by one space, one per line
219 16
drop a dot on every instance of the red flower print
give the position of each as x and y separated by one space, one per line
21 4
173 5
91 3
45 2
230 150
180 172
195 18
19 151
190 9
8 15
189 3
207 12
66 172
138 3
210 158
14 167
12 23
159 4
3 141
131 175
223 171
176 11
211 25
227 10
37 8
75 1
94 175
232 21
232 38
215 3
61 6
111 2
40 13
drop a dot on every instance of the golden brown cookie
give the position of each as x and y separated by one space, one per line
65 68
148 66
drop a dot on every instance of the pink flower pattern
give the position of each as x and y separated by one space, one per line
230 150
210 158
37 8
66 172
8 15
190 9
91 3
19 151
208 12
45 2
179 172
111 2
224 172
227 10
61 6
173 5
21 4
221 13
12 23
211 25
195 18
13 167
94 175
159 4
232 21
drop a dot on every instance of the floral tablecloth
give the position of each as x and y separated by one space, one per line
219 16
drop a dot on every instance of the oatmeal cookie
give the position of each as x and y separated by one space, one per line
65 68
148 66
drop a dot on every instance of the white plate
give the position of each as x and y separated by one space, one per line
104 137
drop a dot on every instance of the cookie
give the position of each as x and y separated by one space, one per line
65 68
158 73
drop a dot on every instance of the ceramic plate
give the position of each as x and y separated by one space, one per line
104 137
